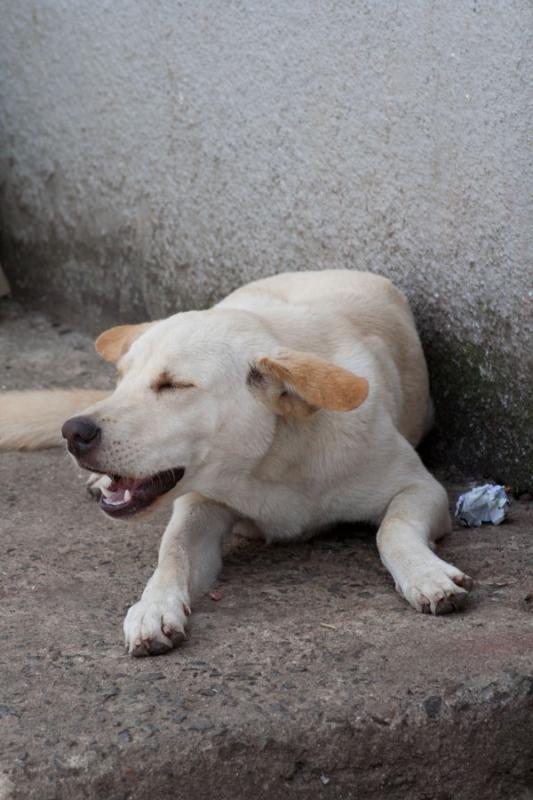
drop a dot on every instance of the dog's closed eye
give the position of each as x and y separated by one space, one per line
166 383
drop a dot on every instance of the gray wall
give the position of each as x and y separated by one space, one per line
155 155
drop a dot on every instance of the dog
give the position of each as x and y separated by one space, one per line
295 403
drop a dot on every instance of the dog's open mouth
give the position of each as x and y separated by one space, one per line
126 496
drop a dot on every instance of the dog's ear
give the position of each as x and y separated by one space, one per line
113 343
297 384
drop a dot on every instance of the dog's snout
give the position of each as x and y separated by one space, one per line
81 433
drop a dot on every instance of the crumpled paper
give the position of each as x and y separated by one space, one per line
488 503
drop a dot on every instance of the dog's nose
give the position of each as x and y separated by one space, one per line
81 433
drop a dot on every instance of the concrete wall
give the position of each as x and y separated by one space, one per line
157 154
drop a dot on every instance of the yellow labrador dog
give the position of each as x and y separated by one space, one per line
295 403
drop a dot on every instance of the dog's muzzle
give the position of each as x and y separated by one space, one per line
123 495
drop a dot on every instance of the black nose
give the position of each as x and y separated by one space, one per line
81 434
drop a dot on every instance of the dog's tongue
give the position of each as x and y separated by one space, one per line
120 491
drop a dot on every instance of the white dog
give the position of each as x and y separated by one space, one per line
293 404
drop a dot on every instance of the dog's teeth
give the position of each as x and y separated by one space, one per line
127 496
105 491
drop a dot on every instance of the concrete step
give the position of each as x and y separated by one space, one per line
309 677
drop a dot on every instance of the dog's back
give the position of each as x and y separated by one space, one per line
376 312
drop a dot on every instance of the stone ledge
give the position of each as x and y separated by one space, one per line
309 678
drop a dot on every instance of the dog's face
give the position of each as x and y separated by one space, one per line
197 400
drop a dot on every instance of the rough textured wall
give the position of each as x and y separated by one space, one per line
157 154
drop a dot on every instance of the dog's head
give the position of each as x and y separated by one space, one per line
197 401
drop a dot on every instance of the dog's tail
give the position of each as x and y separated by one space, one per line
32 420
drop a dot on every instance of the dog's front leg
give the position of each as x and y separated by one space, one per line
416 517
190 557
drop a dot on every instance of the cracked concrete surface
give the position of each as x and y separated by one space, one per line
309 677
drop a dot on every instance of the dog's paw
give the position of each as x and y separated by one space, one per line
437 589
96 482
156 623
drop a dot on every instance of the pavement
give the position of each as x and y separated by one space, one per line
306 677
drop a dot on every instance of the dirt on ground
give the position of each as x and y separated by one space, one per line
304 675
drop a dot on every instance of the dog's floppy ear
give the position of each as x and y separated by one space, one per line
294 383
113 343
